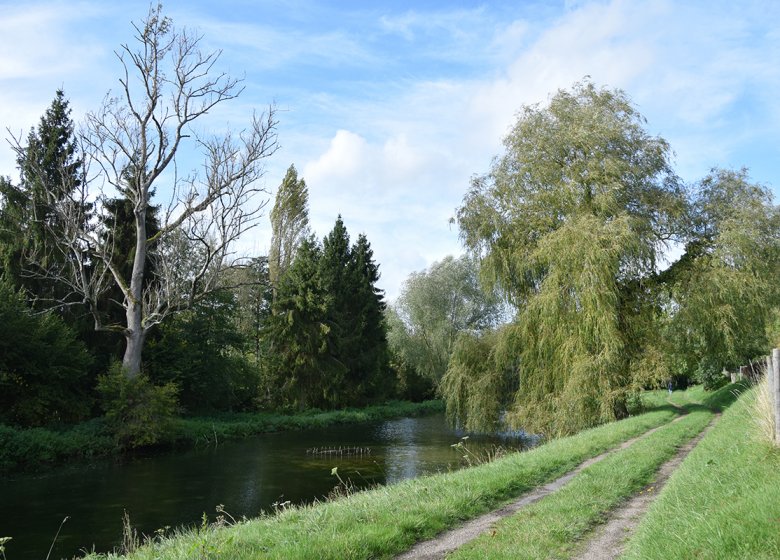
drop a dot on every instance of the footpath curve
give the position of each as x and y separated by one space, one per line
453 539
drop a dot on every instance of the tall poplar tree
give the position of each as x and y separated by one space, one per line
289 223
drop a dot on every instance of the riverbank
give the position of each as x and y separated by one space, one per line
390 519
386 521
39 449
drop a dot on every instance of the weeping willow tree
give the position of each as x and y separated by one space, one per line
569 223
725 294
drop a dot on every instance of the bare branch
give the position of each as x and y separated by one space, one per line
131 142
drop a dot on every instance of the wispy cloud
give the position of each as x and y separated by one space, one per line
388 111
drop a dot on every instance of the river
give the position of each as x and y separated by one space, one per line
246 476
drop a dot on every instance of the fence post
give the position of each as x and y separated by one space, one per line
775 385
770 381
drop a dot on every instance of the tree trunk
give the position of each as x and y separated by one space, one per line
135 334
134 345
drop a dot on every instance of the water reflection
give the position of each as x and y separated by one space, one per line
247 476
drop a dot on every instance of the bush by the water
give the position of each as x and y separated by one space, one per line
137 412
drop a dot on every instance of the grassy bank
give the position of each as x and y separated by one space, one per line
553 527
559 525
37 449
723 502
388 520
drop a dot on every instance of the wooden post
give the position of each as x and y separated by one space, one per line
776 391
770 382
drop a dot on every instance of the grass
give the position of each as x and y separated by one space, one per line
387 520
37 449
764 417
191 431
723 502
554 526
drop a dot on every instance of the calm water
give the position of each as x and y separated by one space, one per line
245 476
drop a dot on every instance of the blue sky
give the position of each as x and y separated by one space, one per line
388 108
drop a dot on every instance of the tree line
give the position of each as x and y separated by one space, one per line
121 291
571 227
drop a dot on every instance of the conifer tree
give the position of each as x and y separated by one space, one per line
298 334
50 171
368 355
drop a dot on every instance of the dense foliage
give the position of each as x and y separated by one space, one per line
43 367
327 338
433 308
323 344
570 225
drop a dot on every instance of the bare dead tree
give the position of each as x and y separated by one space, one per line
131 146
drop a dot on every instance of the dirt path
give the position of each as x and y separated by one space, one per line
610 539
451 540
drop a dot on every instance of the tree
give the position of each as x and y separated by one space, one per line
328 341
367 357
478 384
254 299
298 334
722 291
436 305
354 314
136 141
202 353
289 224
50 172
569 222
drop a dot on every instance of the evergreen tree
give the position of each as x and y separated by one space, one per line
358 336
370 365
327 337
50 172
298 335
337 286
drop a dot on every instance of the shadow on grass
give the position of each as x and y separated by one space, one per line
722 398
714 401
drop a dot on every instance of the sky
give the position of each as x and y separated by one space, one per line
388 109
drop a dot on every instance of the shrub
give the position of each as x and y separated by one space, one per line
138 412
43 367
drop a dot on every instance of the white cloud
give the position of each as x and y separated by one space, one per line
422 99
405 163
